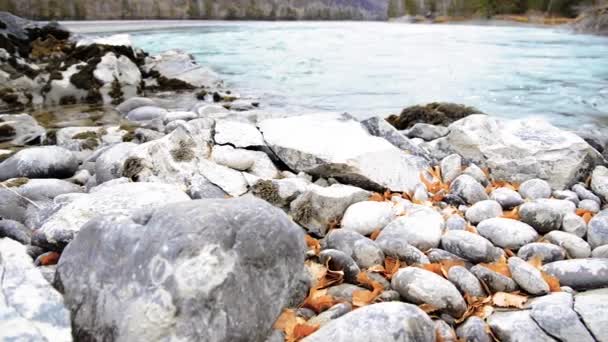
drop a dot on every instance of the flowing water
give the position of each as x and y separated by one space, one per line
373 68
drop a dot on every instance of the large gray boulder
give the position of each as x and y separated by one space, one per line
30 309
39 162
390 322
205 270
591 307
338 146
73 211
518 150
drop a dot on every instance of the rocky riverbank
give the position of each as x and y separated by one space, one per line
214 222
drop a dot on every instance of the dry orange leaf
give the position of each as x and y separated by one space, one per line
536 261
509 300
585 214
318 301
313 244
435 268
476 306
375 234
391 266
500 266
428 308
511 214
447 264
376 197
509 252
48 258
302 330
552 281
366 297
471 229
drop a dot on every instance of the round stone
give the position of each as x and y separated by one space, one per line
535 188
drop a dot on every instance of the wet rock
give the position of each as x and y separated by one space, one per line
597 233
476 172
39 162
427 132
444 331
547 252
451 167
344 292
238 134
378 127
574 224
319 206
179 70
365 217
433 113
574 246
399 248
133 103
600 252
332 313
474 329
584 194
221 262
421 228
20 129
555 315
350 157
507 198
591 307
68 218
16 231
455 222
201 188
31 309
580 274
527 277
507 233
483 210
468 189
388 322
566 195
420 286
340 261
466 282
519 150
516 326
147 113
495 281
589 205
469 246
364 251
541 216
16 202
599 182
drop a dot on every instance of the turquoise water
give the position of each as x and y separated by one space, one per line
379 68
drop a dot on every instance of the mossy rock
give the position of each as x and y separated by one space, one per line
268 191
15 182
132 167
85 135
184 151
433 113
304 211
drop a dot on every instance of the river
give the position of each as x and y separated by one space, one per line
377 68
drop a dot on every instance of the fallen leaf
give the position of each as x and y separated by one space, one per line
318 301
509 300
375 234
447 264
471 229
428 308
435 268
313 244
366 297
476 306
512 214
552 281
500 266
391 266
536 261
377 269
509 252
376 197
302 330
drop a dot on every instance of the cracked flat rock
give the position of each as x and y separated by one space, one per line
555 315
389 322
353 156
517 326
192 271
592 307
30 309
